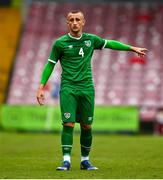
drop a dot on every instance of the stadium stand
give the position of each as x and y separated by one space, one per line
9 29
120 77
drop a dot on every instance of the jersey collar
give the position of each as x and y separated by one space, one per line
75 37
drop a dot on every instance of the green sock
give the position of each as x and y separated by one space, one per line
85 141
67 140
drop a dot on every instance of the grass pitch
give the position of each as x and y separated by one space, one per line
27 155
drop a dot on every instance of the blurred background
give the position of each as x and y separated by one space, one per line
129 89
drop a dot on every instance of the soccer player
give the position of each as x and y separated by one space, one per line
74 51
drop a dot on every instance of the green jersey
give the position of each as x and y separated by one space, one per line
75 56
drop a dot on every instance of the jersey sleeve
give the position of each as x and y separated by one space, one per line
99 43
55 53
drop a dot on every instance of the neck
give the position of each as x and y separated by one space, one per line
75 34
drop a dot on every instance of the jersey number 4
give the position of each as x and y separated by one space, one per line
81 52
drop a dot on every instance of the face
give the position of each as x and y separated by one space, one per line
75 22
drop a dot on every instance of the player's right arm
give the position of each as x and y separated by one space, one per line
47 70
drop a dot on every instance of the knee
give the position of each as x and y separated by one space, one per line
70 124
85 126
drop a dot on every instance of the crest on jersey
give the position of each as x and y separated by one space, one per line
67 115
88 43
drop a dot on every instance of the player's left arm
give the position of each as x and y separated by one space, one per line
116 45
47 71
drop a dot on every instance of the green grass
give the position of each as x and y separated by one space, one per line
25 155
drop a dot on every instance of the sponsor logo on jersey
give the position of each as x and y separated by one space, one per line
67 115
70 46
88 43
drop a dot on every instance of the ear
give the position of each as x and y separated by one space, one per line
67 22
84 21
